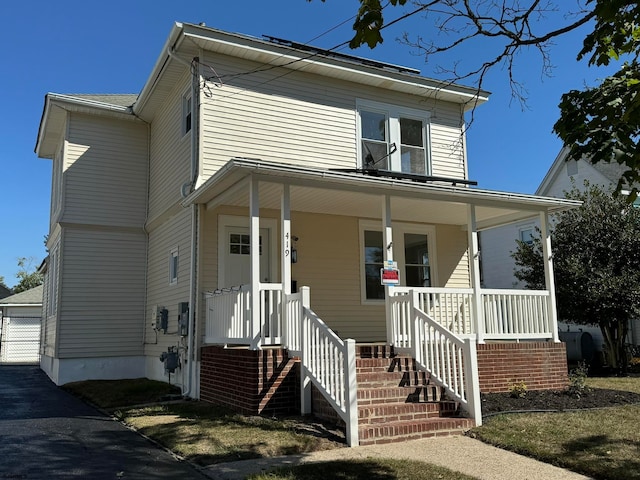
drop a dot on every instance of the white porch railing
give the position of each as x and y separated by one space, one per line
505 315
326 360
229 316
516 314
450 360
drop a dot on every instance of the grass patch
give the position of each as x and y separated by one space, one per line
207 434
371 469
110 394
603 443
627 384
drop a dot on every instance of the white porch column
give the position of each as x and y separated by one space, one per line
287 244
387 246
474 270
549 281
254 232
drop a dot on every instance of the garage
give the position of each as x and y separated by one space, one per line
20 326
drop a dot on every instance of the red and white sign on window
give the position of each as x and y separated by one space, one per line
389 274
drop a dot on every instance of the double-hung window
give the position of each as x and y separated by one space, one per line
393 138
414 250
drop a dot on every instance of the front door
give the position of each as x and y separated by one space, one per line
237 258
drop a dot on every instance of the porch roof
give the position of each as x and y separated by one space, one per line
325 191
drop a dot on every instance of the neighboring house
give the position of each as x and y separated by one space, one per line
21 316
498 244
4 291
230 226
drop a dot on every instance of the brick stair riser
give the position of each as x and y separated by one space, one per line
392 378
397 413
403 431
395 394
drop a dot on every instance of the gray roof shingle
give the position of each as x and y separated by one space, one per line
31 296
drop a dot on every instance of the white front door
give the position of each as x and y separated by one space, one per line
237 256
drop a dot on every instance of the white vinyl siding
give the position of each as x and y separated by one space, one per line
175 233
170 154
102 287
106 172
305 119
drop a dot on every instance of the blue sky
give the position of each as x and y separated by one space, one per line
72 46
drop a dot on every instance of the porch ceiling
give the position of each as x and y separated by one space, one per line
350 194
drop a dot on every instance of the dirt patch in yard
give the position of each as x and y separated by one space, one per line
547 400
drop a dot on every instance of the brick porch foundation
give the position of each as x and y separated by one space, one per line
251 382
541 365
267 382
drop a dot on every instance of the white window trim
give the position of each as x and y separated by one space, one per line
173 275
393 113
399 229
522 228
52 280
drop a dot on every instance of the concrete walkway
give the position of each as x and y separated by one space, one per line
458 453
461 454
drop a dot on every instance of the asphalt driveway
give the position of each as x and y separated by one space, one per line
47 433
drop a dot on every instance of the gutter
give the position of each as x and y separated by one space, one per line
171 42
462 194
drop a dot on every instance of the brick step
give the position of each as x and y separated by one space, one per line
411 430
404 412
399 379
395 364
395 394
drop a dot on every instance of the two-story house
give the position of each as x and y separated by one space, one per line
265 220
498 244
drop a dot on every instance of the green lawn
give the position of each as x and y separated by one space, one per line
602 443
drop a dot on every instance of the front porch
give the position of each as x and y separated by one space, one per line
438 316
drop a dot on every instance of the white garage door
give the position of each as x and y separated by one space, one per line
20 340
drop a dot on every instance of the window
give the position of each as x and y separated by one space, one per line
416 258
240 244
393 138
413 249
187 110
52 281
373 262
526 235
173 266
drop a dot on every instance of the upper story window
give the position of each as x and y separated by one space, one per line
393 138
187 110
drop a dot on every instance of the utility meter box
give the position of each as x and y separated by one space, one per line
183 318
170 359
162 319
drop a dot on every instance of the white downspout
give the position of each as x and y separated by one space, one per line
193 279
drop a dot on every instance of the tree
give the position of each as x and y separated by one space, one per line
28 276
596 260
600 123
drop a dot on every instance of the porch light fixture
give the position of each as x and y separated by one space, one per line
294 250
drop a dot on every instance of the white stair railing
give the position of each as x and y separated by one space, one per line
450 360
450 307
326 360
